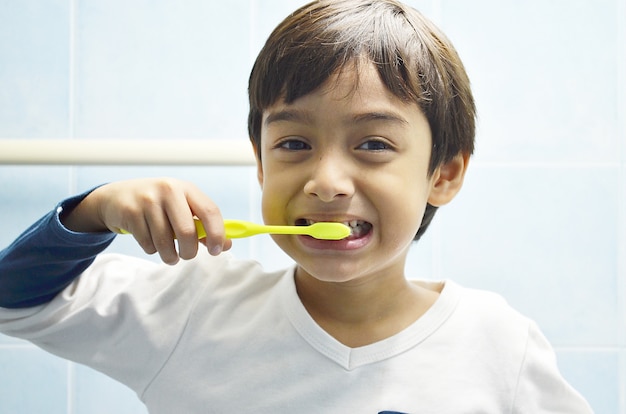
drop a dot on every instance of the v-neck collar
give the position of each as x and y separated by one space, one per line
351 358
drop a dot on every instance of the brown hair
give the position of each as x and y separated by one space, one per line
414 59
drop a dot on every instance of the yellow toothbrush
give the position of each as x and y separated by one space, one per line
236 229
328 231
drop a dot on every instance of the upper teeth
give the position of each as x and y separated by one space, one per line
351 223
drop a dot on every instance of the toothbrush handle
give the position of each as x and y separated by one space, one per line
236 229
199 229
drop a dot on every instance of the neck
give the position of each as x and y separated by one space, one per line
363 312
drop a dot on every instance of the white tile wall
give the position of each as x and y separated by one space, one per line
541 220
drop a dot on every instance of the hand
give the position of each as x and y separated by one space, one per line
155 211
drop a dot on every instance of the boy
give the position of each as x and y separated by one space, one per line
360 112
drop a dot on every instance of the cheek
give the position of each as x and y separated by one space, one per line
269 205
407 209
274 200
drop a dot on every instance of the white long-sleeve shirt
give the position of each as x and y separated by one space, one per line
218 335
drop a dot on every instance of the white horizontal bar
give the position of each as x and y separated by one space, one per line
130 151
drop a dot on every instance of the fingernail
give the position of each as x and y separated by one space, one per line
215 250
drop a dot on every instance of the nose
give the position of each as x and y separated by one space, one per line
330 178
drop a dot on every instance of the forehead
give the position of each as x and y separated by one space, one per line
356 92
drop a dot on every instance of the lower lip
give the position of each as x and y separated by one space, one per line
344 244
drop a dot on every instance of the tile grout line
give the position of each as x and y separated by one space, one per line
72 175
621 219
71 68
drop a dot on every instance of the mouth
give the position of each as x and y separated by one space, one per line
358 228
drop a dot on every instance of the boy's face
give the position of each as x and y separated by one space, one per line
351 153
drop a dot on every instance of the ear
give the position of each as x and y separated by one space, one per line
259 166
447 180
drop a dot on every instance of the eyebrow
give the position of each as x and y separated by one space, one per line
294 115
380 116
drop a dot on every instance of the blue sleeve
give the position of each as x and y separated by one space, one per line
46 258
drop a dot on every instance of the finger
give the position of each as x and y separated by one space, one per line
187 238
228 244
213 223
162 236
182 223
140 230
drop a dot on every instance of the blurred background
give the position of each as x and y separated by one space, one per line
541 219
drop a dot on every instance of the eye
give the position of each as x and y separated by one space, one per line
375 145
293 145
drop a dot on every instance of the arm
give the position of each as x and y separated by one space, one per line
46 258
60 246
